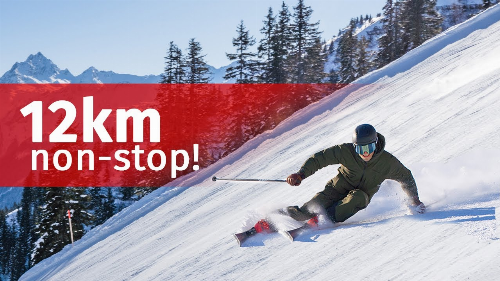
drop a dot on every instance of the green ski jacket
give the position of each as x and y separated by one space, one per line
354 173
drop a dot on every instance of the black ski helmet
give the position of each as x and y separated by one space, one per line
364 134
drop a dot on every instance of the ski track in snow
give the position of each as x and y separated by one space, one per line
438 107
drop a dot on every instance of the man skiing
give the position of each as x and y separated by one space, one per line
364 165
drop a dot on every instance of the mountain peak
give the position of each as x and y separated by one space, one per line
39 59
39 64
37 55
91 69
35 69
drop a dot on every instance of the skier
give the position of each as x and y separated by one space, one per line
364 165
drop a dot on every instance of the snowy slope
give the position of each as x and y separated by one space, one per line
439 109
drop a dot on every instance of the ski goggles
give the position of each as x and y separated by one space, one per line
361 149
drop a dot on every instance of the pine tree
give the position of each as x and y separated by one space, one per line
265 46
392 42
109 205
97 205
127 193
420 22
17 267
280 46
315 63
246 67
197 70
432 20
175 71
346 54
7 244
386 53
363 60
304 36
21 258
52 228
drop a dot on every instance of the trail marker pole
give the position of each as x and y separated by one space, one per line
70 226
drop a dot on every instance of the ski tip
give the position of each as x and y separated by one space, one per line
237 240
240 238
287 234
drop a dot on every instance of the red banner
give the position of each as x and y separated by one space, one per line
133 134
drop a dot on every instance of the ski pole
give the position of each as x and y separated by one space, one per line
263 180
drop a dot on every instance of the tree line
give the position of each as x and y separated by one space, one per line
406 24
291 51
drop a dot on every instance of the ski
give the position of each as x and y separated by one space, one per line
293 233
243 236
289 234
261 227
266 228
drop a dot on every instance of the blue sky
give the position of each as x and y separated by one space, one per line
133 36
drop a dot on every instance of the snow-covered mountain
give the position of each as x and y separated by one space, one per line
439 109
92 75
36 69
39 69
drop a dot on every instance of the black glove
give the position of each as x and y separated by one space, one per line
294 179
420 208
417 206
